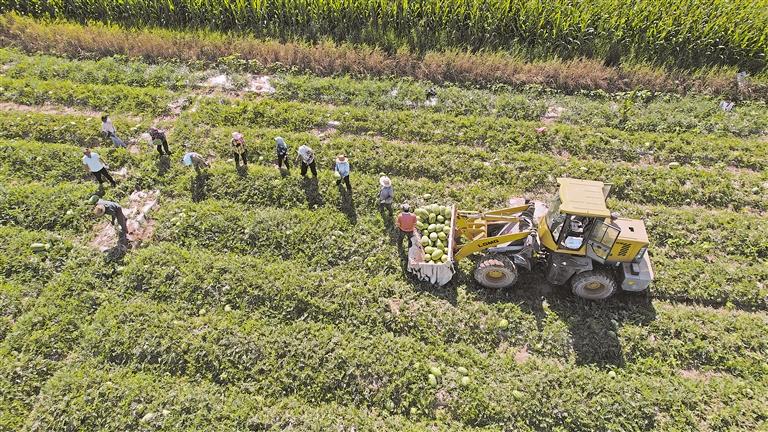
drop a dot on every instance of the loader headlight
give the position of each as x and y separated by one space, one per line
640 254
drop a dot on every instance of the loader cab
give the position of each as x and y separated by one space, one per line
578 221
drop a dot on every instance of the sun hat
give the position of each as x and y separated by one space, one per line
385 181
98 210
93 199
237 136
341 158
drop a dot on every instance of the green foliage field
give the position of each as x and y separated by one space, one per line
269 302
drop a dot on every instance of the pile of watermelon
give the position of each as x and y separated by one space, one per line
434 222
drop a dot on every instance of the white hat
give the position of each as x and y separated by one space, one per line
341 158
385 181
237 135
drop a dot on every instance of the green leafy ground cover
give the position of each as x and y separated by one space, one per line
268 302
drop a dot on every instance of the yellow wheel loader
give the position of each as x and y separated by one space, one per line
575 240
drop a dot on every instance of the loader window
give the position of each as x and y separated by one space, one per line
601 240
574 230
554 218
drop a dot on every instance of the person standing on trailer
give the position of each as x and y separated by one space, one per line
406 222
94 165
108 129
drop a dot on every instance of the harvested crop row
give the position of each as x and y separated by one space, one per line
494 134
570 331
678 233
520 171
332 364
117 97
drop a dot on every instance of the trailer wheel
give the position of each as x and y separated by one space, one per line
496 271
593 285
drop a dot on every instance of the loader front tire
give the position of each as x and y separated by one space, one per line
594 285
496 271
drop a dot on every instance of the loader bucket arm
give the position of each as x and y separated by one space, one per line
488 242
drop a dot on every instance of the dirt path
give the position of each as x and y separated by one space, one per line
140 226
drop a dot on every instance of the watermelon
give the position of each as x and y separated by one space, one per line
447 230
432 218
432 228
440 218
436 254
441 235
425 241
433 237
429 250
444 258
432 380
439 244
40 247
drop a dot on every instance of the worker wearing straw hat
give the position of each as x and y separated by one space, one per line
386 194
342 171
113 209
238 147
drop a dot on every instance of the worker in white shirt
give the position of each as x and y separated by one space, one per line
93 164
108 129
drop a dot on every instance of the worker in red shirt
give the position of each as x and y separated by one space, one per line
406 222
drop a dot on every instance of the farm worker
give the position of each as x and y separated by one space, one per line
307 158
113 209
108 129
193 159
386 193
406 222
282 153
238 147
342 168
159 140
93 164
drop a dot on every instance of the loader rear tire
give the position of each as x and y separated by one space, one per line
496 271
594 285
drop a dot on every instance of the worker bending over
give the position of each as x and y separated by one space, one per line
116 211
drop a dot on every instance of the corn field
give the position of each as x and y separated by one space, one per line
677 33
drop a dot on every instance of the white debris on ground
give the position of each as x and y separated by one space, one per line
140 226
431 101
256 83
553 113
260 85
122 173
221 81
